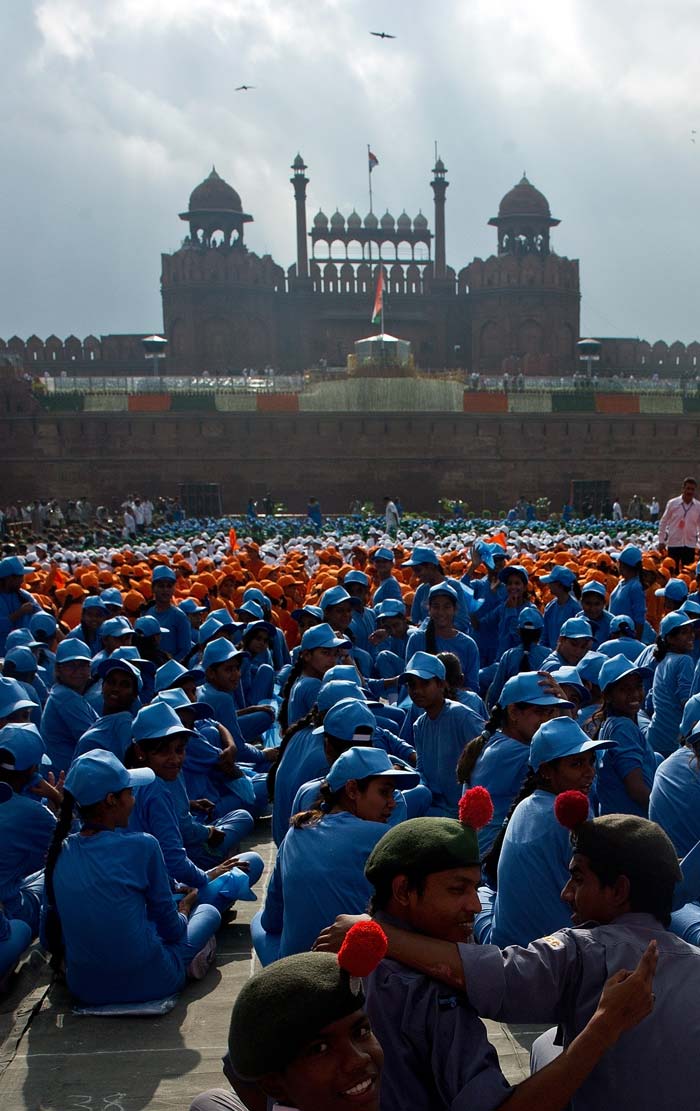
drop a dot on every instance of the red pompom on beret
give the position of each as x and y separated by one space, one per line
571 808
475 808
364 946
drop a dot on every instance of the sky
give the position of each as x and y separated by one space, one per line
113 110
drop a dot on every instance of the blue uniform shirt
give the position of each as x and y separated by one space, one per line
439 743
629 598
463 646
177 641
631 750
675 799
66 717
554 617
673 680
501 769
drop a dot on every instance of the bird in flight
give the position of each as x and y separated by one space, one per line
244 88
382 35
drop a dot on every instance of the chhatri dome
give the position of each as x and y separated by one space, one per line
524 200
215 194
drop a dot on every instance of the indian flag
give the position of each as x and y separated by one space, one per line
378 298
373 160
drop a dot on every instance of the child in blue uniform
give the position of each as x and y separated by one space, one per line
593 596
504 617
67 713
673 680
387 586
529 655
628 596
498 758
440 634
319 871
318 652
110 911
626 773
565 602
440 733
528 863
675 795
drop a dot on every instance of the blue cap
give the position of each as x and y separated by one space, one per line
513 569
621 621
423 666
116 627
575 628
130 653
157 720
111 596
561 575
527 687
312 611
190 605
119 664
335 595
149 626
254 594
12 565
572 677
26 745
530 618
23 659
176 699
94 602
209 628
616 668
691 714
589 667
98 773
594 587
219 651
225 620
161 572
13 697
675 620
21 638
364 761
346 718
421 555
322 636
390 607
630 555
337 690
690 607
43 623
356 577
252 608
383 553
260 626
561 737
483 554
172 672
345 672
443 588
675 589
72 649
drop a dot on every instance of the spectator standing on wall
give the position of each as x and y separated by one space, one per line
680 525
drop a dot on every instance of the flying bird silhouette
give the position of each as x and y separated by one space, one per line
244 88
382 35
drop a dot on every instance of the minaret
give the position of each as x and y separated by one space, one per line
300 181
439 185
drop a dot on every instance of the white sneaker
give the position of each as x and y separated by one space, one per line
202 961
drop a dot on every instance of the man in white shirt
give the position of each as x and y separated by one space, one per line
680 525
391 516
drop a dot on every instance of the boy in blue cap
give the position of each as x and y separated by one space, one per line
382 561
562 585
574 640
67 713
593 597
177 641
628 596
429 573
440 733
16 605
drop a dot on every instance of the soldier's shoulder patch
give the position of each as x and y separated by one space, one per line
552 941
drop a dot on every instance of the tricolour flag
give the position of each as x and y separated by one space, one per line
373 160
378 299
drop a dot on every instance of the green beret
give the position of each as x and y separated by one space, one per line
421 846
282 1008
634 846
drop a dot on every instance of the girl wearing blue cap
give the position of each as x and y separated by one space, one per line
622 639
627 770
673 680
504 617
628 596
319 651
387 586
120 691
319 871
26 824
529 655
363 621
565 603
110 912
16 605
441 635
257 673
528 864
498 757
92 616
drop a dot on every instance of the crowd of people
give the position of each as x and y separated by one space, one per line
481 763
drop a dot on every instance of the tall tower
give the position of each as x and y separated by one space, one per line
300 181
439 186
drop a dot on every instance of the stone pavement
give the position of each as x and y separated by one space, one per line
53 1060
